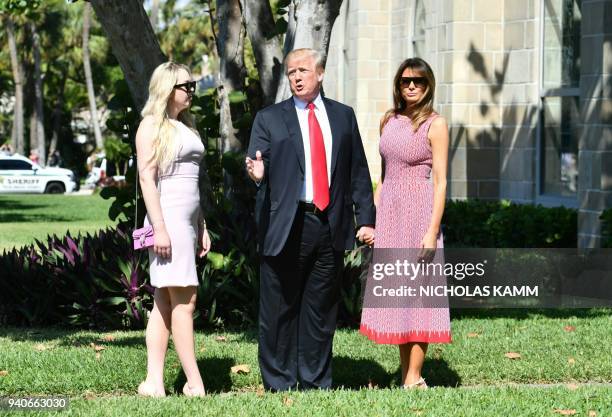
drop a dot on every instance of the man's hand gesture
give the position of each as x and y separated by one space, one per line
255 167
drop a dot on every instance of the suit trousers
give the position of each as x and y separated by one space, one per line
299 296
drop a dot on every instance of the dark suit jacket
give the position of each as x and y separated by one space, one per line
276 133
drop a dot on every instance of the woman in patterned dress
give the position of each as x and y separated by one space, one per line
409 200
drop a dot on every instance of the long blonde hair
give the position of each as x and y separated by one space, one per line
421 110
161 86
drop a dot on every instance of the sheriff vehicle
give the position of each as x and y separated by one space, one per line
20 175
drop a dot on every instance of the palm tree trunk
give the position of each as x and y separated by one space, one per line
57 116
91 94
18 119
38 96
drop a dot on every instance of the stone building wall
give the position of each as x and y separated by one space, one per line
487 58
595 129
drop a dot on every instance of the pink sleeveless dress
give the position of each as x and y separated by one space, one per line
180 204
402 219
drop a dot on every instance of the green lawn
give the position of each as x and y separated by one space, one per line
445 402
24 218
472 376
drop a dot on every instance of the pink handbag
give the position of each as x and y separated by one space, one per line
143 237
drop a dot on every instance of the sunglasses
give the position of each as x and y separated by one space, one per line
189 87
419 82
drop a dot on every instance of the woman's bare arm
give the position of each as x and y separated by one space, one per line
147 172
438 137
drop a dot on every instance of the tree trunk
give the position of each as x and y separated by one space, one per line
57 116
134 43
136 47
18 119
13 133
154 14
266 47
230 45
33 140
38 97
91 94
310 26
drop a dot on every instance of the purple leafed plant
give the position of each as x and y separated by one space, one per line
92 281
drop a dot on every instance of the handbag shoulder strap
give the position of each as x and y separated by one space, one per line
136 200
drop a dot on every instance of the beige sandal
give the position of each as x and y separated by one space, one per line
419 384
188 392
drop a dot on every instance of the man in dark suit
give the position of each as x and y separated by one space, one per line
307 159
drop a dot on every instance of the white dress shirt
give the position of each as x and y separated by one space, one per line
302 114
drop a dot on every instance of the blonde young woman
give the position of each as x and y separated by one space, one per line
169 153
409 200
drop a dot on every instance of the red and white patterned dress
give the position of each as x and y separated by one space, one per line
402 219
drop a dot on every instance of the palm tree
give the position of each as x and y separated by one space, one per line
93 110
38 114
18 71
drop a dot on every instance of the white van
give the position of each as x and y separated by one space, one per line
20 175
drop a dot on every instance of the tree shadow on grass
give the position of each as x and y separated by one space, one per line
215 373
351 373
80 341
7 205
14 211
438 373
67 338
71 337
47 218
356 374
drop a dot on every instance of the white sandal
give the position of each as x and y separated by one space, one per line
420 384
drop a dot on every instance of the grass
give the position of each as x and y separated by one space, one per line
24 218
100 371
483 402
471 375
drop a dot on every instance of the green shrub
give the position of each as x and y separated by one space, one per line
464 223
502 224
118 152
354 276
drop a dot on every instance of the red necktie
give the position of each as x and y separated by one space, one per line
318 161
